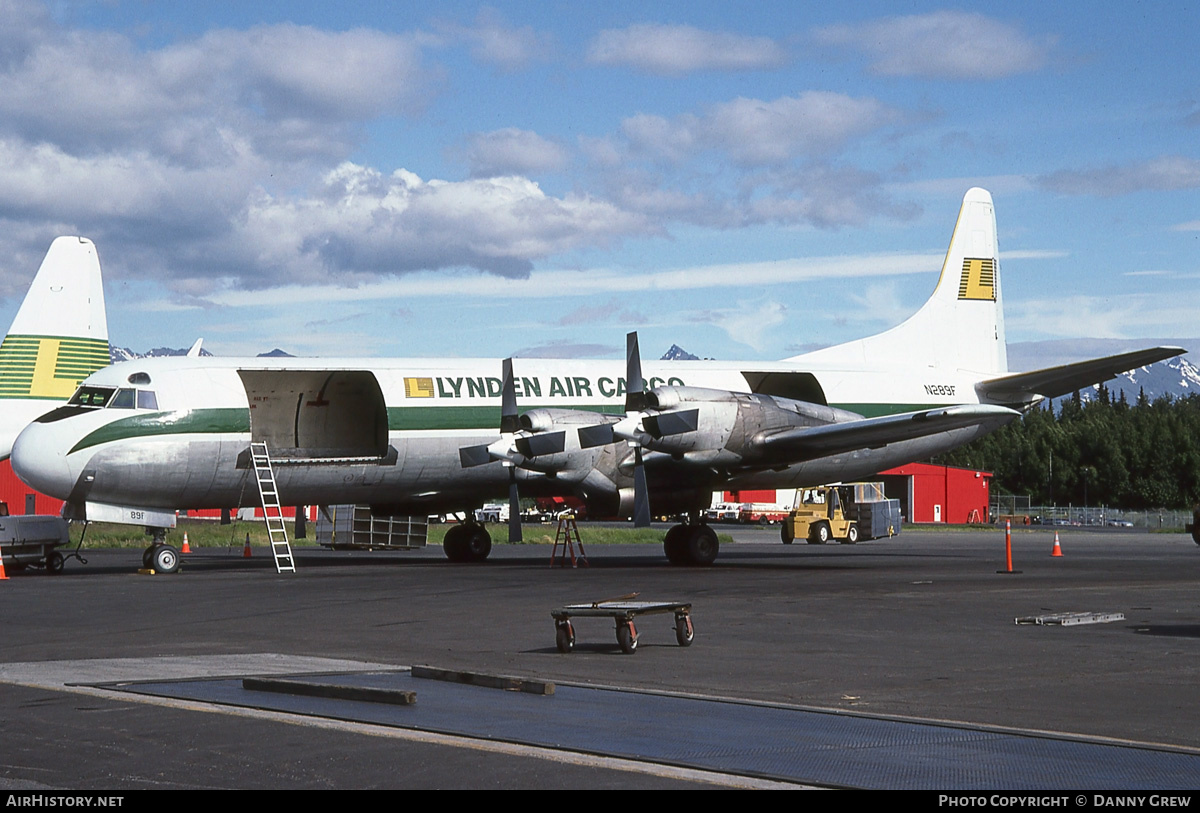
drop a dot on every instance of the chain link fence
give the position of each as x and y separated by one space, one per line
1018 508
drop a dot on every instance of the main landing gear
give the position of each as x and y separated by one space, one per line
160 556
468 542
694 545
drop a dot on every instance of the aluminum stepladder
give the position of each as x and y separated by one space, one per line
568 536
272 511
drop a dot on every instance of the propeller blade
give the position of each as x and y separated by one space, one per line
508 400
662 424
471 456
514 507
641 494
598 435
532 446
635 395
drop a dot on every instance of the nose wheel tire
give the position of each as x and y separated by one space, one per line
164 559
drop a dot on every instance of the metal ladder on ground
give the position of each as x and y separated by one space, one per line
568 537
281 549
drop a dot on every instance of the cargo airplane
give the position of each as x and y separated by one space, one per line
424 436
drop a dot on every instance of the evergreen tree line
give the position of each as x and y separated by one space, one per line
1103 451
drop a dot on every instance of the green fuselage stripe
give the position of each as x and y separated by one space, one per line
149 424
233 420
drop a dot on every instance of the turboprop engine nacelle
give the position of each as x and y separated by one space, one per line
718 427
548 442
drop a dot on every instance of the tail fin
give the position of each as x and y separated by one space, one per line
960 327
58 338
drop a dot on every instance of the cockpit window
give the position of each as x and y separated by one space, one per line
139 378
124 399
94 397
91 397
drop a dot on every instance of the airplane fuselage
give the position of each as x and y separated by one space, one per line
388 432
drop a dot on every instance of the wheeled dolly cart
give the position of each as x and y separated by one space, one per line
623 612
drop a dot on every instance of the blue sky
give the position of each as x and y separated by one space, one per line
537 178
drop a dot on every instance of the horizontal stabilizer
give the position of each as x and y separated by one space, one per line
808 442
1020 388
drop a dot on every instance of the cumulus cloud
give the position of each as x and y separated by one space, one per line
943 45
680 49
207 161
513 152
362 222
1169 172
282 88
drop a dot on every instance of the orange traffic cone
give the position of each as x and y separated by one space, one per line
186 548
3 575
246 550
1057 548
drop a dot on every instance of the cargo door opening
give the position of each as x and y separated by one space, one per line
317 414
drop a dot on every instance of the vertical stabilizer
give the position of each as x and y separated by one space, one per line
58 338
960 327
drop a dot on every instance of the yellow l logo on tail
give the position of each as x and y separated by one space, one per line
978 279
48 366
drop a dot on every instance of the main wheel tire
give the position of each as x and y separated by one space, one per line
453 544
675 544
165 559
852 535
55 562
684 633
564 636
820 534
702 546
467 543
478 544
627 637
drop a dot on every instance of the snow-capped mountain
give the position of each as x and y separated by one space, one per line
1176 377
677 353
125 354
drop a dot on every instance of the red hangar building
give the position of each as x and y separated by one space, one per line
927 493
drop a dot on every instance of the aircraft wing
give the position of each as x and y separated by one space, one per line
807 442
1055 381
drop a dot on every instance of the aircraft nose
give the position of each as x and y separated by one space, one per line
41 463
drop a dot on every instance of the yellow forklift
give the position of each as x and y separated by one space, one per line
839 512
819 517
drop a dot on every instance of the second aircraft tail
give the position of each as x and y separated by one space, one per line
58 337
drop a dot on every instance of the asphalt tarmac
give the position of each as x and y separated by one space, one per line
915 630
